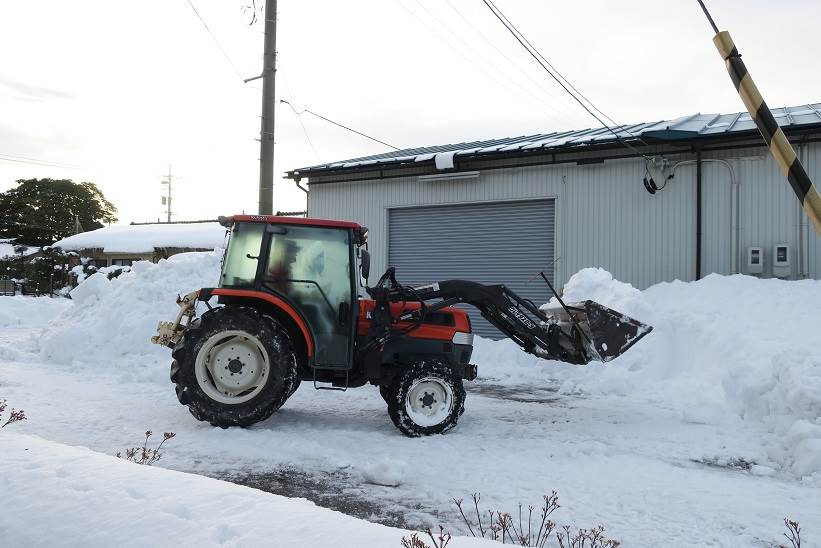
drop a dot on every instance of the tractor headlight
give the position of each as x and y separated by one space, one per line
463 338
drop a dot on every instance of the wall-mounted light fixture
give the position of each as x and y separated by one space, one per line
443 177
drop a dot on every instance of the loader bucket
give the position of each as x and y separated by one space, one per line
606 333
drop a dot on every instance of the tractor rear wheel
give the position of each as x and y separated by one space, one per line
234 367
426 398
385 392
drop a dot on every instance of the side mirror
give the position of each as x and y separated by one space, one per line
365 263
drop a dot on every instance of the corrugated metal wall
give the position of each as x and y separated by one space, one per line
605 218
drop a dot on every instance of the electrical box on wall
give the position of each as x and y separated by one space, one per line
755 261
781 261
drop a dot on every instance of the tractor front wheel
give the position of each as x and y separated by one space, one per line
234 367
426 398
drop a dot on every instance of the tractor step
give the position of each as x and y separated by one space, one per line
332 386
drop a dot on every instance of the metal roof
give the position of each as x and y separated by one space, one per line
690 127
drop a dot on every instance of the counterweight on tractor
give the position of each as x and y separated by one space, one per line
291 307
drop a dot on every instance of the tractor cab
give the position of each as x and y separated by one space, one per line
309 264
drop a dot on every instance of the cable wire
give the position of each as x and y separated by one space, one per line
214 38
544 64
305 110
37 162
507 79
709 17
539 85
299 118
535 102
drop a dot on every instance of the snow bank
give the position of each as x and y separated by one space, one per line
114 318
105 501
721 347
145 238
20 311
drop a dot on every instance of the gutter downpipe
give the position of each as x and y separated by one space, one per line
735 232
305 190
698 214
803 227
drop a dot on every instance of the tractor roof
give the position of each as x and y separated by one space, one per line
288 221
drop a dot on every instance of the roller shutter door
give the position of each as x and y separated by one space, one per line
490 243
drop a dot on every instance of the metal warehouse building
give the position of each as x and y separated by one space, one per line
501 210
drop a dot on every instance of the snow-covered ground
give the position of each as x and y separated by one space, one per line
70 496
707 432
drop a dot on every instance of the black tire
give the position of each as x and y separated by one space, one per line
296 384
276 388
385 392
399 405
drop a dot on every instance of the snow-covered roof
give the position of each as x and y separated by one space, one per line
147 238
693 126
7 249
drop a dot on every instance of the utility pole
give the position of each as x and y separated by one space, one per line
266 135
167 198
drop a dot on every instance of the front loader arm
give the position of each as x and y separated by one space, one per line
519 319
576 333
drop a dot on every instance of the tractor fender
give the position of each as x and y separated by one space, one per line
271 300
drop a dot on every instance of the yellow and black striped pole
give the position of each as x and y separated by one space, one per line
777 142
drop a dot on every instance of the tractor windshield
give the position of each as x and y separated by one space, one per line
239 267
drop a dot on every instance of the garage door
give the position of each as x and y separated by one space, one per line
489 243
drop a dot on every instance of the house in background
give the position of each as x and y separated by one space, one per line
502 210
123 245
10 249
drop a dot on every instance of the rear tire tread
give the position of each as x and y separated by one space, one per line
280 383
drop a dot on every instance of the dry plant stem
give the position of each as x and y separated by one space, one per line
476 497
793 533
458 503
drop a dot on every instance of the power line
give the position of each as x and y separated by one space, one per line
513 64
539 100
36 161
213 37
709 17
544 64
299 118
554 69
537 103
305 110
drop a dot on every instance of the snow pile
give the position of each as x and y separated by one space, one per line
722 347
115 318
388 472
20 311
105 501
598 285
147 238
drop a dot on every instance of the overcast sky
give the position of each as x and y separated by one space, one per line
123 89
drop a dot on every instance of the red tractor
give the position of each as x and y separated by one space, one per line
292 308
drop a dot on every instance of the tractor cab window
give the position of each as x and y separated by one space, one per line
240 266
312 266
